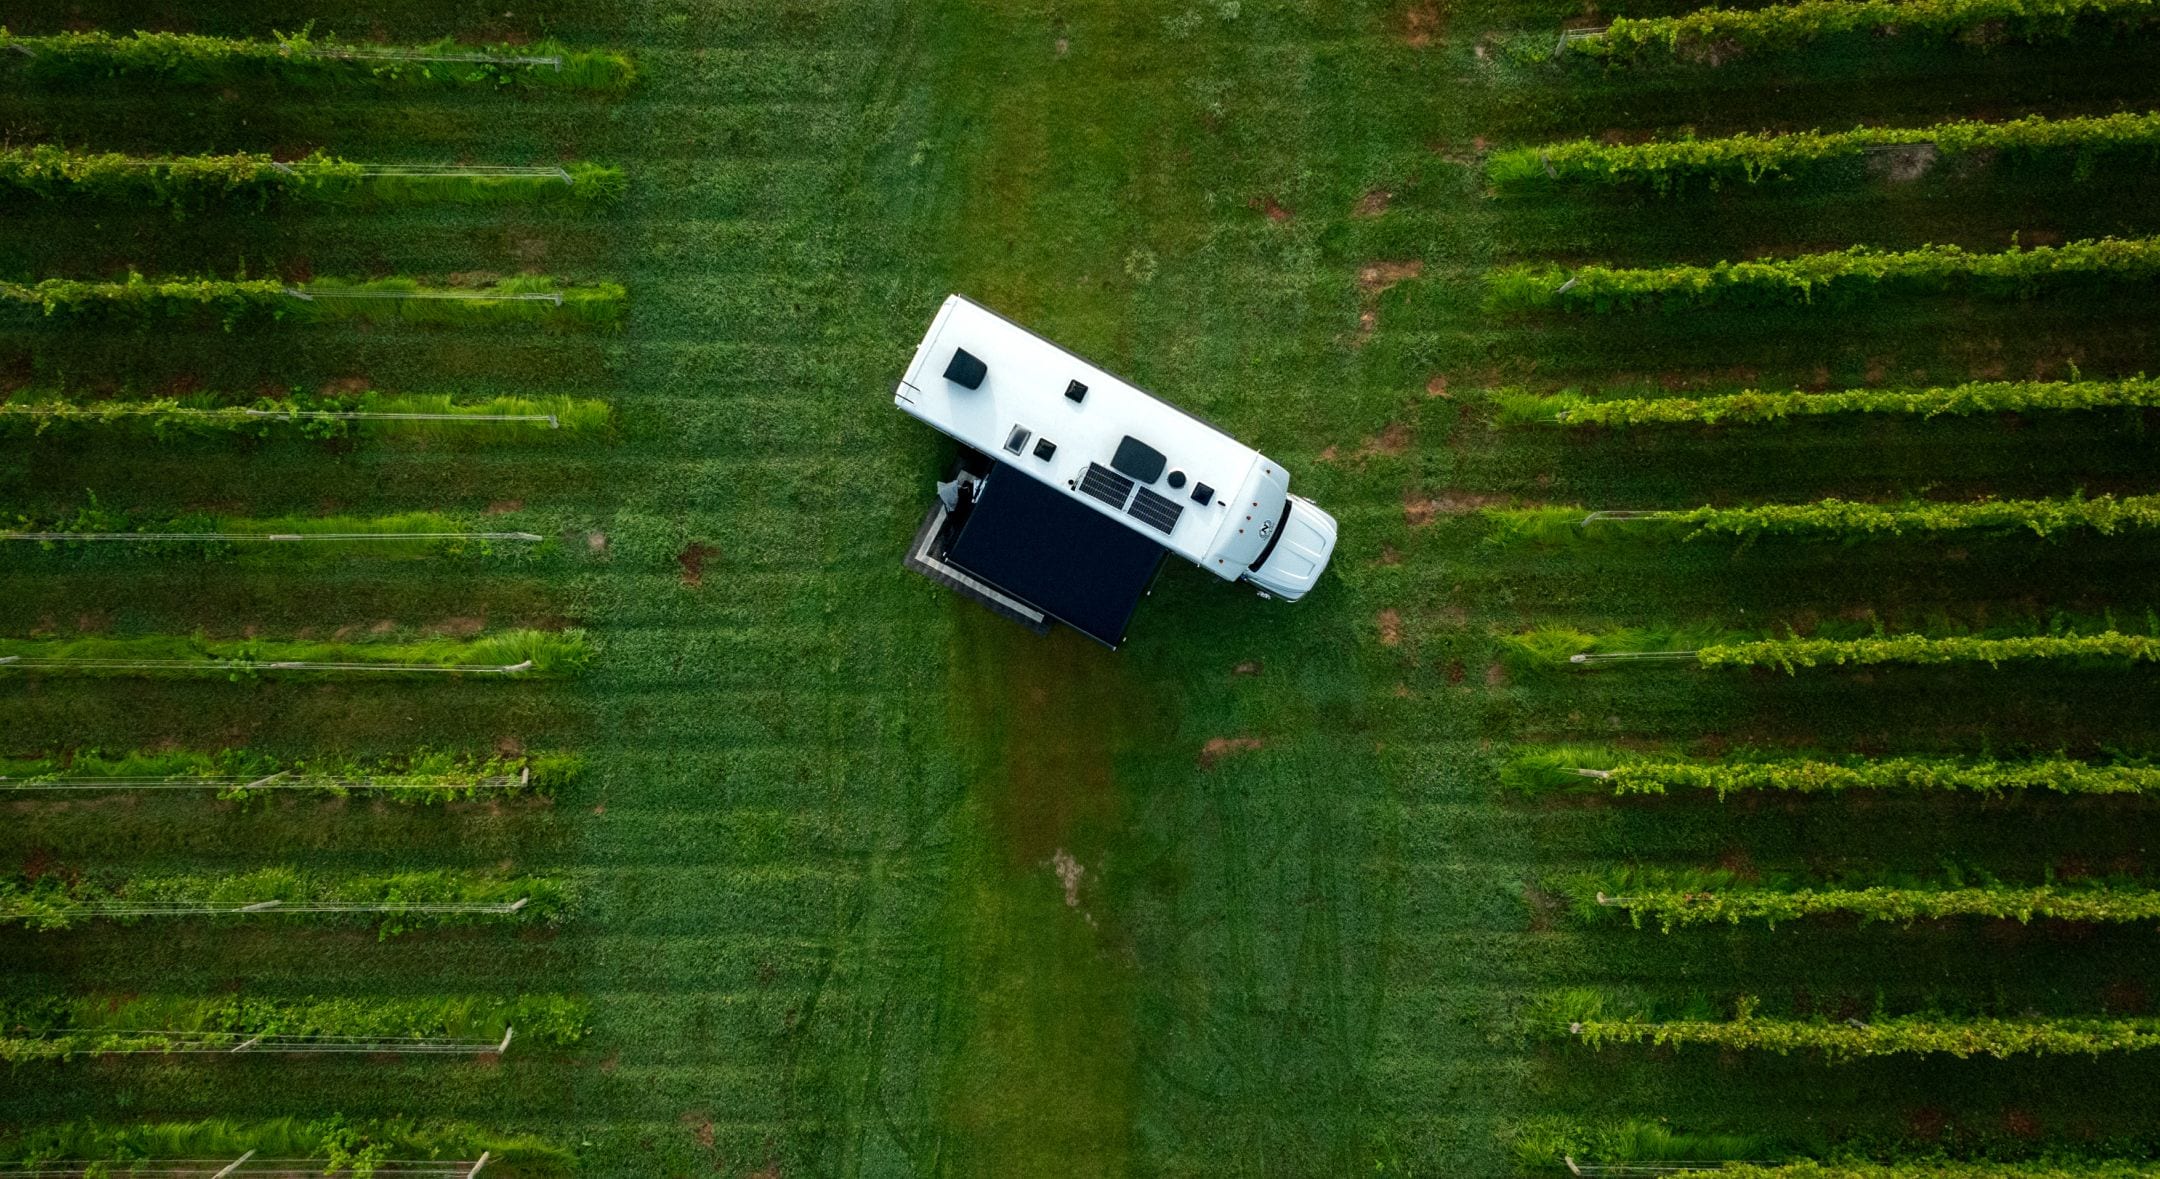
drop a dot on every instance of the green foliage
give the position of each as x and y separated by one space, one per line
39 412
86 1025
297 59
232 303
1582 1016
342 1145
445 530
1677 900
1670 166
1756 408
51 903
1839 278
1557 646
423 776
1940 1169
1715 35
550 653
1542 1144
1833 519
187 184
1793 654
1624 774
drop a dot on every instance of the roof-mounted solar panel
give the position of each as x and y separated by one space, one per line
1106 485
1155 511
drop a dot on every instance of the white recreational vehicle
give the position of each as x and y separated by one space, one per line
1073 484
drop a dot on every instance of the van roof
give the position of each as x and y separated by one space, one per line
1024 383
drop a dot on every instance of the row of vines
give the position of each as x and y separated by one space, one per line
1741 830
350 895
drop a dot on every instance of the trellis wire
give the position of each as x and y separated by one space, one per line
17 661
272 782
363 53
1660 1167
232 1043
546 171
1622 517
245 1165
1623 656
554 423
554 297
269 536
1570 36
124 908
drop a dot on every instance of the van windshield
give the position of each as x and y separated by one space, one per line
1282 525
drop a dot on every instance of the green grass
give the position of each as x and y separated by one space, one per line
818 839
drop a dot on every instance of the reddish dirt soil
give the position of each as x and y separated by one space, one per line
692 560
1218 748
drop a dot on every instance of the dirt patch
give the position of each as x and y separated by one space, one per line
1545 908
1372 204
385 626
1390 622
1422 24
2022 1123
503 506
37 865
701 1128
462 627
596 542
1249 667
1270 206
1495 675
1419 510
1394 439
1456 672
1063 46
1438 387
1389 555
1375 277
1069 873
2125 996
1926 1123
1329 454
345 386
692 560
1218 748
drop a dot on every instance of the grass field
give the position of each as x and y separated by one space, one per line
865 881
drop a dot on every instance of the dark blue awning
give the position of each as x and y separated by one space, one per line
1039 544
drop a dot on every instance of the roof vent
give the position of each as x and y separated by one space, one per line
1075 391
966 371
1139 460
